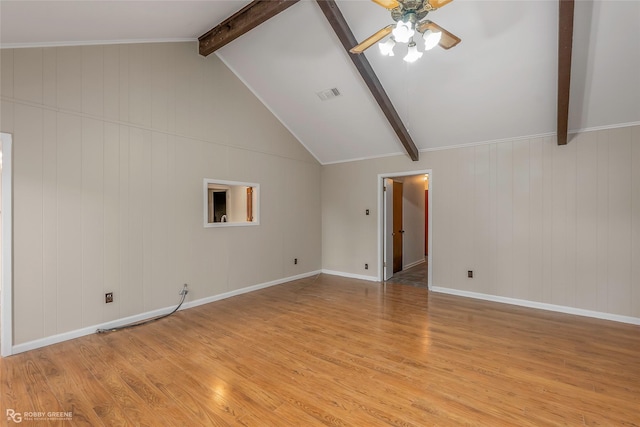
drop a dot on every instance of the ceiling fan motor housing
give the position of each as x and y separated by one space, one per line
407 8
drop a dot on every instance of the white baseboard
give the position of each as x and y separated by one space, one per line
230 294
413 264
540 305
54 339
350 275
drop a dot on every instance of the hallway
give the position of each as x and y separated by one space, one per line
414 276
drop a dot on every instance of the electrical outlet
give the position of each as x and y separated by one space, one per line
470 274
366 266
295 260
108 297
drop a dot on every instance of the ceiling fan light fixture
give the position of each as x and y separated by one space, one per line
412 53
386 48
403 31
431 39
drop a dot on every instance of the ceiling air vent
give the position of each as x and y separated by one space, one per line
327 94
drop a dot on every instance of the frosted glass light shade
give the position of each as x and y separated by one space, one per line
412 53
431 39
386 48
403 31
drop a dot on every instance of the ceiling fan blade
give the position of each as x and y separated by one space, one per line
372 40
392 4
448 39
436 4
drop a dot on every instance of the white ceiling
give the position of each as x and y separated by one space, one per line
52 22
499 83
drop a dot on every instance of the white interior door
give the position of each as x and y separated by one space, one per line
388 228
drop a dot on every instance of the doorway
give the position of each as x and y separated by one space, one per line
6 282
404 236
397 231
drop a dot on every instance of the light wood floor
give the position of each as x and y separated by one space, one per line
339 352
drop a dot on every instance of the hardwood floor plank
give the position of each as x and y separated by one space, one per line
35 374
61 381
330 351
97 397
15 395
193 395
105 367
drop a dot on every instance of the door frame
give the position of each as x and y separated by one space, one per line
381 216
6 285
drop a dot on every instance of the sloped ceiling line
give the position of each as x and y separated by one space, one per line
246 19
565 45
260 11
348 40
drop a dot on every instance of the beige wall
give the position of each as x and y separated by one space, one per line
538 222
413 220
111 144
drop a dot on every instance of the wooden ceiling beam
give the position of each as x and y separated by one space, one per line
348 40
246 19
565 45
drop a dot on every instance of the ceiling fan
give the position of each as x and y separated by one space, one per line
409 16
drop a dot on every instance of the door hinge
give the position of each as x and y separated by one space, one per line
384 264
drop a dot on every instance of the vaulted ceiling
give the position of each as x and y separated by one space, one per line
499 83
